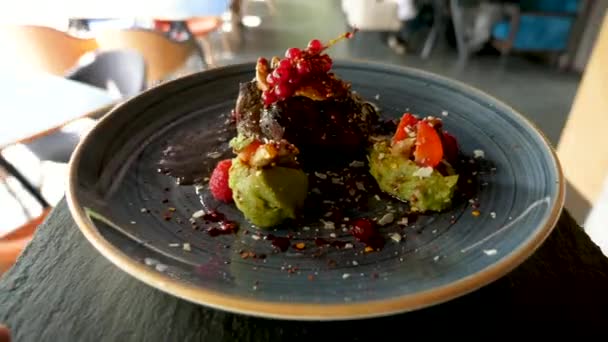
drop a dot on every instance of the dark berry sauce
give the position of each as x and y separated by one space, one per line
320 242
281 243
226 227
365 231
214 216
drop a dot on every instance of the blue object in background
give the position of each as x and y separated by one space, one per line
561 6
537 32
541 32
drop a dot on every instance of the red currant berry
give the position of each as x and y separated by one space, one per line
303 67
280 75
293 53
284 64
325 63
269 97
325 66
283 90
315 46
270 80
294 79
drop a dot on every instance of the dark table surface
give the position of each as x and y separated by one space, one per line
61 289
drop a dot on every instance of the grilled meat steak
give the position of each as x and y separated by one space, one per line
328 129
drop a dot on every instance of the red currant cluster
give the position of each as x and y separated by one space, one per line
298 67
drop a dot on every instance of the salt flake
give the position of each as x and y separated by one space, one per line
214 155
198 214
356 163
360 186
328 224
150 261
479 154
386 219
161 267
396 237
321 175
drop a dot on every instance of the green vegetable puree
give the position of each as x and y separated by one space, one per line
240 142
404 179
267 196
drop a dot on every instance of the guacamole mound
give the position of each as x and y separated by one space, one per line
424 188
267 196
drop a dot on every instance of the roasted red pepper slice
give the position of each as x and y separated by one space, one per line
246 153
429 150
408 120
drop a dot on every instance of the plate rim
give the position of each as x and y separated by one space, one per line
310 311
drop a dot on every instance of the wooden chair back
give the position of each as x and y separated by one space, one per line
43 48
163 56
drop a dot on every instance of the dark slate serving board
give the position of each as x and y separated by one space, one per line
61 289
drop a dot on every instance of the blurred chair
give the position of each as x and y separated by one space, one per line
124 70
536 25
163 56
43 48
202 28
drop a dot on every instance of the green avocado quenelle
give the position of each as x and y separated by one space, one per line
267 196
425 189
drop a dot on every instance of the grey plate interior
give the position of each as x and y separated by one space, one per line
117 180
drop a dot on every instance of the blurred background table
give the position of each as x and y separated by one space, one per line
35 105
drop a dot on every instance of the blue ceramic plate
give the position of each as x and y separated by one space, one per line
150 226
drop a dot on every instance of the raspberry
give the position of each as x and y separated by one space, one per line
218 183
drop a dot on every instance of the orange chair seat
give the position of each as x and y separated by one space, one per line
13 243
